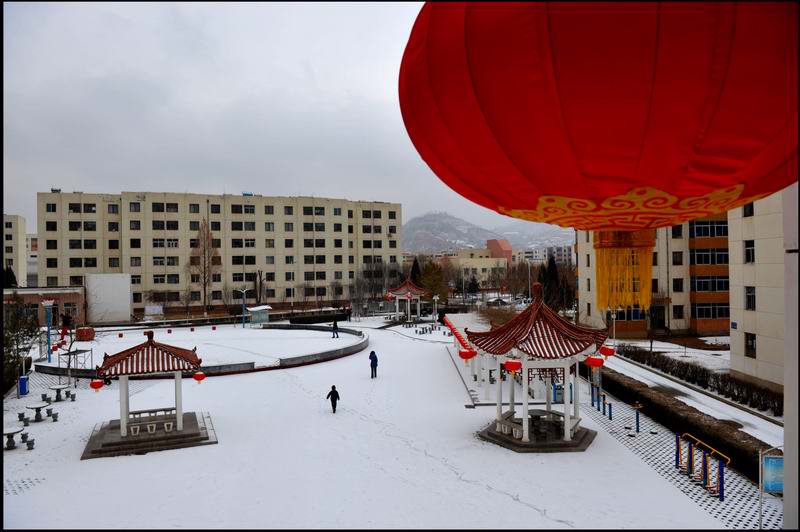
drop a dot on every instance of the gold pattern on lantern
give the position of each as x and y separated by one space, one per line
639 208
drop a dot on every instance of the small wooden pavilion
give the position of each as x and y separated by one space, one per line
148 358
409 291
549 347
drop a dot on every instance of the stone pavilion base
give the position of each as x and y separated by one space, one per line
106 440
546 437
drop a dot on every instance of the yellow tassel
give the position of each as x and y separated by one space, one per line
624 269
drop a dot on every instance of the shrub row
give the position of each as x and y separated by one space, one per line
734 388
677 416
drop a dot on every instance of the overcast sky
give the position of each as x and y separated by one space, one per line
275 99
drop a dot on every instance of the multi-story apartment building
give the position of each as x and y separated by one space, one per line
689 284
306 248
539 255
32 249
14 253
757 289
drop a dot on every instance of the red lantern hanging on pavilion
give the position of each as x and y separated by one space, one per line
96 384
606 351
513 365
593 362
616 118
199 376
466 354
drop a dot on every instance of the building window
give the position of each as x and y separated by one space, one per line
237 243
52 281
173 278
216 277
52 263
588 309
289 276
747 211
158 225
319 227
157 243
136 279
288 210
134 206
270 259
269 209
113 227
237 226
677 285
288 243
749 297
588 263
194 225
308 227
172 225
588 285
308 211
216 243
74 208
75 262
216 226
269 226
158 207
51 226
172 242
216 295
159 278
113 208
337 211
249 226
136 262
173 261
76 280
269 243
172 207
750 343
113 244
249 242
215 208
74 226
677 231
50 207
159 261
194 208
749 251
677 311
655 258
113 262
249 209
74 244
677 258
288 226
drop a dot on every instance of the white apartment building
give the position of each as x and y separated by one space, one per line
308 249
757 288
539 255
689 284
14 252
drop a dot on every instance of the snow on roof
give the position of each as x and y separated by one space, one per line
262 307
149 357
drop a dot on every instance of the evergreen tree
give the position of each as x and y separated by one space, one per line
416 272
552 285
9 279
20 329
473 287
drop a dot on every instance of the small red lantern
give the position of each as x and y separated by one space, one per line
607 351
169 331
199 376
120 335
513 365
96 384
466 354
213 327
593 362
191 329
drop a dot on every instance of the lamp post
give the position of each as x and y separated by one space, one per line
435 300
530 294
244 293
48 316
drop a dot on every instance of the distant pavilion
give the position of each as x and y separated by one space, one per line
408 291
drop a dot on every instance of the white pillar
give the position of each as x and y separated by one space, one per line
512 385
548 392
419 314
485 376
576 397
499 397
178 400
123 405
397 309
565 394
525 421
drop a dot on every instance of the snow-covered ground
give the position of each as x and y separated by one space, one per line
713 360
228 344
717 340
401 451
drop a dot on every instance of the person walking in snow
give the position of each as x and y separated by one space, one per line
335 329
333 395
373 364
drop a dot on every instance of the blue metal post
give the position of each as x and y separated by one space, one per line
677 450
598 398
721 481
570 393
705 469
48 313
610 416
592 385
690 461
604 404
637 420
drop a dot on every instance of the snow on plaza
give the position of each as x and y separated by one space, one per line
400 451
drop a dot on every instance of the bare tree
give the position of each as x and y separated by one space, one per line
259 284
303 293
186 299
337 290
204 261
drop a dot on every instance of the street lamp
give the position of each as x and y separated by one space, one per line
244 293
48 316
435 300
530 294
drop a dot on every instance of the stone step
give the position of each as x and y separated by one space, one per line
147 439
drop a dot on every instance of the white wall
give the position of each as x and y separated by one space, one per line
108 297
790 394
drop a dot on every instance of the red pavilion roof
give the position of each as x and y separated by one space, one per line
407 287
147 358
540 333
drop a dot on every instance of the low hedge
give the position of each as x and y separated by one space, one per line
734 388
677 416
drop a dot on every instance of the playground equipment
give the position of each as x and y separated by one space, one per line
697 460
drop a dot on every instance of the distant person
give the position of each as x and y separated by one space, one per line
335 329
333 395
373 364
349 312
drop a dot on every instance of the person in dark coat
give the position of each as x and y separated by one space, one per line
373 364
335 329
333 395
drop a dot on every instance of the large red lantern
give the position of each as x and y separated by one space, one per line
606 351
466 354
513 365
593 362
199 376
96 384
618 118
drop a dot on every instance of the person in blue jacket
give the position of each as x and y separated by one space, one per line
373 364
